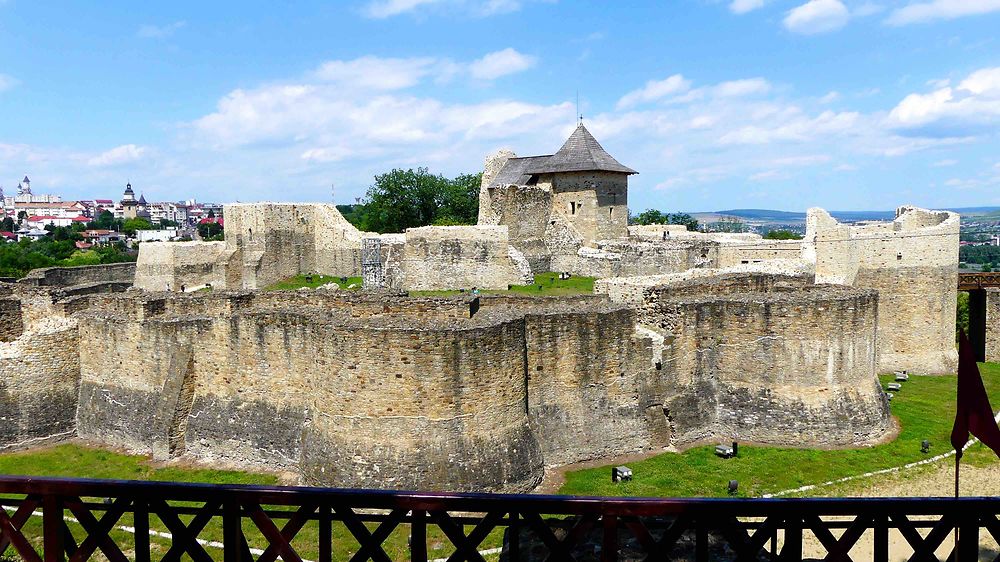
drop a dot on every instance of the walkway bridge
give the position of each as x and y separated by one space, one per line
201 522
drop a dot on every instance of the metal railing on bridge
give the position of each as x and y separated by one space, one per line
165 521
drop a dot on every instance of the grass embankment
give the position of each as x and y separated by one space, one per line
313 281
77 461
925 409
545 285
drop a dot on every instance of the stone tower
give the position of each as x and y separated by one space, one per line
129 204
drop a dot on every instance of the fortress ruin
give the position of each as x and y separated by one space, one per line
689 337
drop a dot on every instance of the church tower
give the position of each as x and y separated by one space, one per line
128 202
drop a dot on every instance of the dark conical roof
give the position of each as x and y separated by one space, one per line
142 199
580 153
26 180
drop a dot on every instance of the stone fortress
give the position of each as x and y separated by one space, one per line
689 337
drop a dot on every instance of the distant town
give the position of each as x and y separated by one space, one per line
30 215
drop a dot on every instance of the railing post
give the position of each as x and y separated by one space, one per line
52 528
967 549
514 542
232 531
418 536
325 534
140 520
880 546
609 547
792 549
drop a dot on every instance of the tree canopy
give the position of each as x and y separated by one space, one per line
58 249
653 216
782 235
402 199
979 254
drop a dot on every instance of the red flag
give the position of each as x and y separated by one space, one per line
974 413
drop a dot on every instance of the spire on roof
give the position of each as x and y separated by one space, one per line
580 153
26 180
142 199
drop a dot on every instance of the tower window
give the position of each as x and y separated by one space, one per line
572 207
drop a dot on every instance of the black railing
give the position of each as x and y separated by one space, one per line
56 519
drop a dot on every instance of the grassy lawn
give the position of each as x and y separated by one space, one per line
313 281
925 409
545 285
77 461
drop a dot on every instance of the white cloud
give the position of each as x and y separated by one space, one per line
744 6
7 82
654 90
380 9
973 105
817 16
375 73
921 12
149 31
501 63
830 97
124 154
797 128
740 88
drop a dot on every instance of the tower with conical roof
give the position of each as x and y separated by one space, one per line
128 202
587 187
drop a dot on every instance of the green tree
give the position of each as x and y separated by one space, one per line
7 225
210 231
21 215
782 235
402 199
653 216
987 267
138 223
962 316
106 221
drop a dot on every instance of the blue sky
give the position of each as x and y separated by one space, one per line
844 104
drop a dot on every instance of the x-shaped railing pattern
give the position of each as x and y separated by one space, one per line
82 518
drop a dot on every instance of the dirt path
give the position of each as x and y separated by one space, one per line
933 481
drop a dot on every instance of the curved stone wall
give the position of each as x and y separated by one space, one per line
776 363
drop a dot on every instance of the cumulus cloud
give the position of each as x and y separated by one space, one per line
118 155
921 12
7 82
376 73
654 90
744 6
501 63
817 16
380 9
970 107
150 31
740 88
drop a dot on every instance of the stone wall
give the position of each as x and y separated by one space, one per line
592 390
913 263
265 243
595 203
452 257
993 325
769 359
39 382
11 322
84 274
168 266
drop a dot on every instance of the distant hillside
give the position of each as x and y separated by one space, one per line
788 217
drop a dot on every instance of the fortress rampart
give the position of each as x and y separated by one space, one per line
466 393
993 325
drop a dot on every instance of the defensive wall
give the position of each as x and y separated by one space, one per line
769 358
912 262
450 257
82 275
465 393
265 243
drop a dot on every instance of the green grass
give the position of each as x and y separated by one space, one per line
925 408
545 285
312 281
78 461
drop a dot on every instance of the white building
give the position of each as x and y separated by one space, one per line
165 235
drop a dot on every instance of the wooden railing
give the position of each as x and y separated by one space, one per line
973 281
164 521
